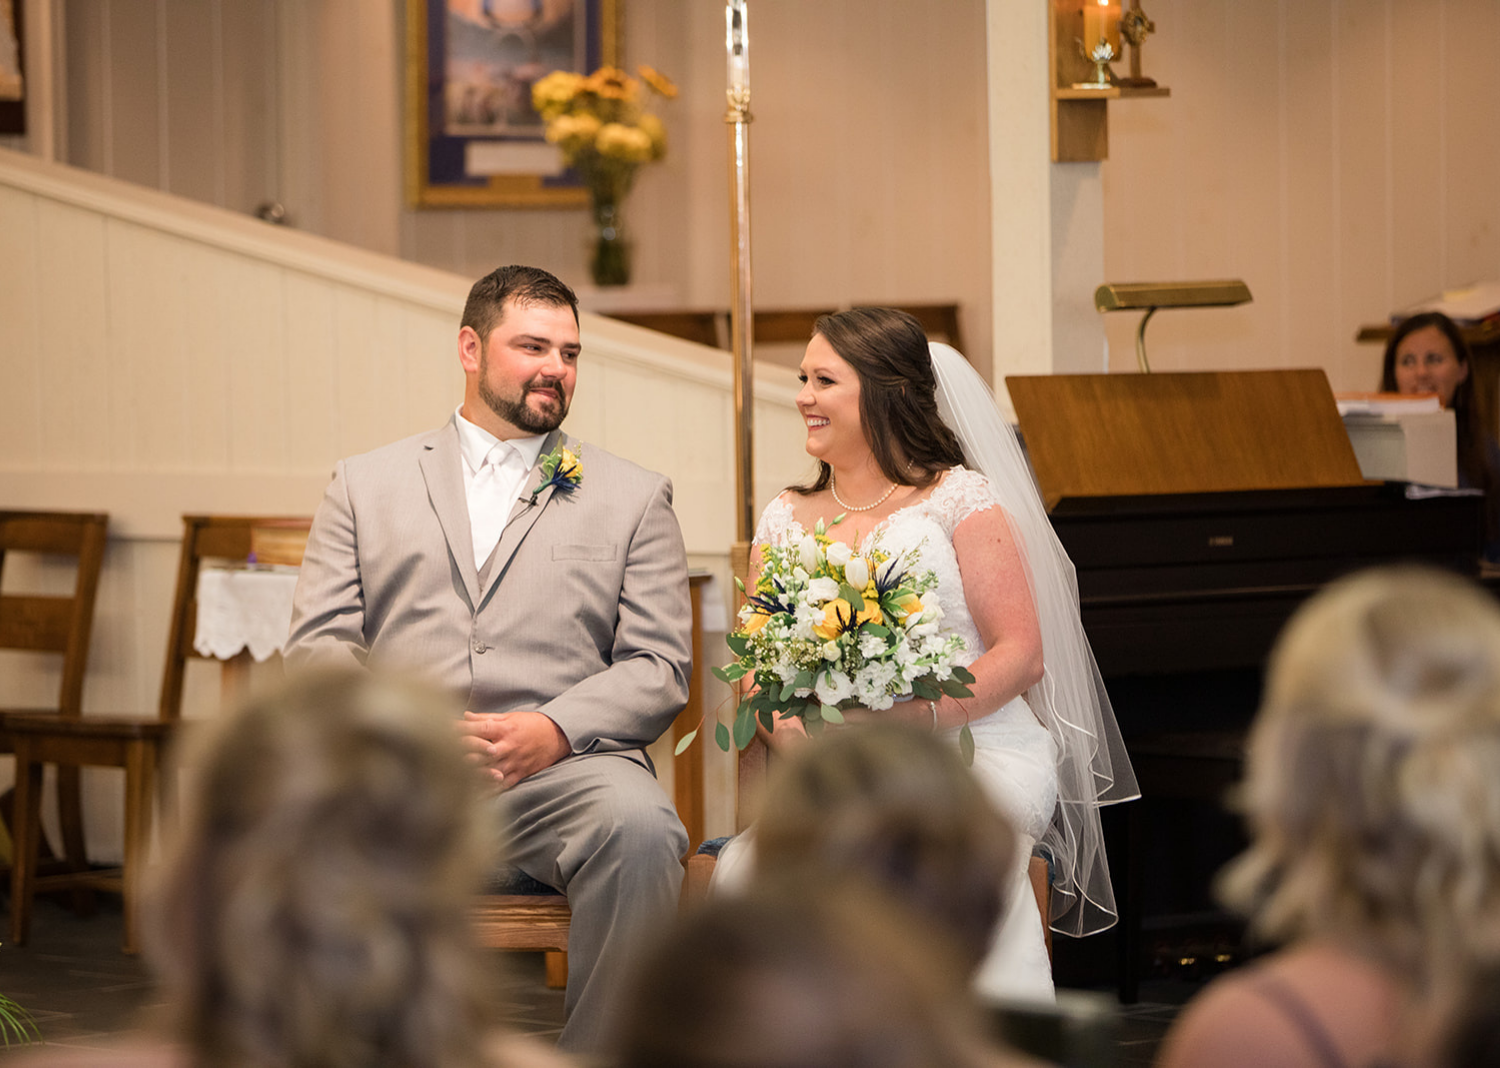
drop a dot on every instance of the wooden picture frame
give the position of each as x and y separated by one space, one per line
472 139
12 68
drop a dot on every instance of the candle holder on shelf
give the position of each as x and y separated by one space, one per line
1100 57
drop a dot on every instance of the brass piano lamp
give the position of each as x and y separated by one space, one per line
1133 296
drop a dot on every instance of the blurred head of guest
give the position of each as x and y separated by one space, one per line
1373 781
314 908
894 806
1428 354
802 974
1372 792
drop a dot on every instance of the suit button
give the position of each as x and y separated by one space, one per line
479 646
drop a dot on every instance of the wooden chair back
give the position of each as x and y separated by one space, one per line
55 623
210 537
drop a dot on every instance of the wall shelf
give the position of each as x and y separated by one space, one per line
1080 117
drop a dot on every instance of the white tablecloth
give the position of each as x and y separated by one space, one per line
244 608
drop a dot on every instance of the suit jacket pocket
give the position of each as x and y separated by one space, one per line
584 552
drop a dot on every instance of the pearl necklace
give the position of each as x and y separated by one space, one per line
833 484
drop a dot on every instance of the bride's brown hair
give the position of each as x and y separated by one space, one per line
897 394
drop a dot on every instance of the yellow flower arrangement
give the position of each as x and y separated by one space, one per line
598 122
604 133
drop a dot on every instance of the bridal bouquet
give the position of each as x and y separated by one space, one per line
828 628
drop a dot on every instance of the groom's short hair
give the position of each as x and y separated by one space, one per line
523 285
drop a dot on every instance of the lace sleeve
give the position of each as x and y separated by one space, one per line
962 493
774 521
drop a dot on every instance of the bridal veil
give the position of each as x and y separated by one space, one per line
1070 699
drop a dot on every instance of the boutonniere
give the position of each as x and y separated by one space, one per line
561 469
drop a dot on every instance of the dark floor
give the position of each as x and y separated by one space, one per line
83 992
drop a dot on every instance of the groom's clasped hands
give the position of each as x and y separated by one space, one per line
510 746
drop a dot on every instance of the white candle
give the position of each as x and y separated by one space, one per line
737 41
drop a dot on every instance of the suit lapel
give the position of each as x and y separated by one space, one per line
442 469
522 516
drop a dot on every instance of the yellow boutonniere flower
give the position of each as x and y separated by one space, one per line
561 469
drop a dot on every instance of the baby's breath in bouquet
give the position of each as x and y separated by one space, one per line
605 134
828 628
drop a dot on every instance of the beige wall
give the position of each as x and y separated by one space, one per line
869 153
1343 159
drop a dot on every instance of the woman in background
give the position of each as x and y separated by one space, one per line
314 909
1372 793
1427 354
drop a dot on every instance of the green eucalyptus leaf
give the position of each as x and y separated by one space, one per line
744 730
926 689
954 688
966 745
962 674
767 719
831 714
685 741
721 735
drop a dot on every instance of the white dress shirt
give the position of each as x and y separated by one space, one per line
494 476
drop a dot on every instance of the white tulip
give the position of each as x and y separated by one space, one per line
807 550
857 572
839 553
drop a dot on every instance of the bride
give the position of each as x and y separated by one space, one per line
911 450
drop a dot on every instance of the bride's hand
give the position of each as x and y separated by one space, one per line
913 712
785 736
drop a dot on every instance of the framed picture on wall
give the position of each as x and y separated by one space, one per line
472 136
12 77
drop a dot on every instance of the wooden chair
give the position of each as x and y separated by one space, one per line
135 744
58 625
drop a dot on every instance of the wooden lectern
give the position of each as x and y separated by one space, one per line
1200 510
1209 432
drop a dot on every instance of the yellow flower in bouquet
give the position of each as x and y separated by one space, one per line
599 124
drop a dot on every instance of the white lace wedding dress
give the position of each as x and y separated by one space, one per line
1015 757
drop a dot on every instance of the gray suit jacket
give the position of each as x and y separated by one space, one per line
585 616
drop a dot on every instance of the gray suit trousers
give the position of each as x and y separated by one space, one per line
599 828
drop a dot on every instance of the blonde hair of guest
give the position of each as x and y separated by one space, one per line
314 909
1373 780
894 806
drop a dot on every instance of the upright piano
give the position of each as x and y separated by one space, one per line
1199 511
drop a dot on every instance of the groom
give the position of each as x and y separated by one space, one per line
546 580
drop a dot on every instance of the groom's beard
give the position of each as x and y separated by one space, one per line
518 413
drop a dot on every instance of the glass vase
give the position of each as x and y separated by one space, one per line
610 261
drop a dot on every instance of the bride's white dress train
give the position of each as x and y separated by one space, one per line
1015 758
